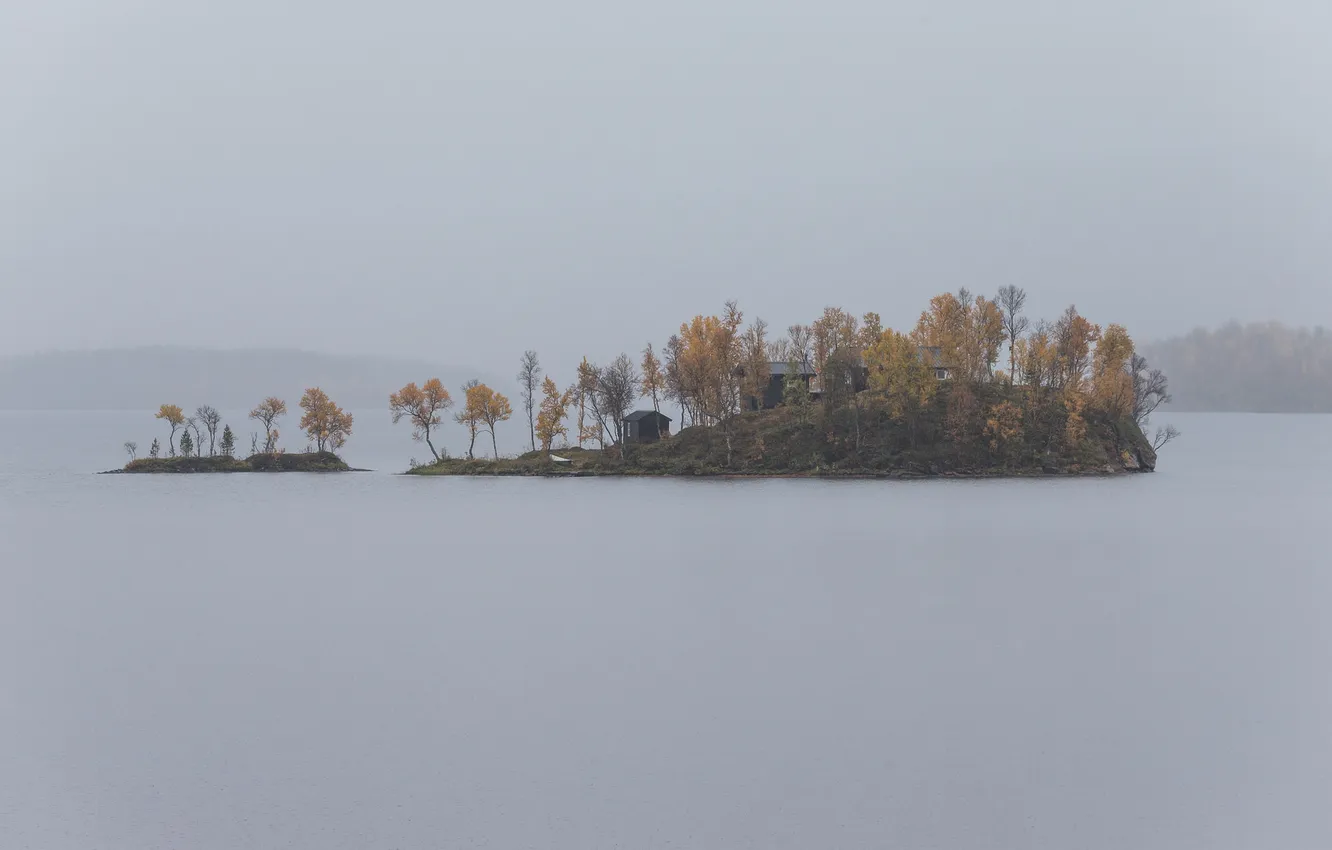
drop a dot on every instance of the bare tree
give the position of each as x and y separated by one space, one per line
268 412
131 449
193 424
589 386
800 345
529 381
617 390
756 371
1163 436
210 419
1012 299
1151 389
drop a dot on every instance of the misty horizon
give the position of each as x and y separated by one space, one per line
579 180
442 360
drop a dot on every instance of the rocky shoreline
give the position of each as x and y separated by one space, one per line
595 464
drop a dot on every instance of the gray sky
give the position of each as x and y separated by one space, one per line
463 181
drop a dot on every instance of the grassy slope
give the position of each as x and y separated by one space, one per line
284 462
777 442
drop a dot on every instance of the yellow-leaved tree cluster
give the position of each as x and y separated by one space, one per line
861 372
482 410
324 423
326 426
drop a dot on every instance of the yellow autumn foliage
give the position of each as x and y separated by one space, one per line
324 423
897 370
421 406
554 410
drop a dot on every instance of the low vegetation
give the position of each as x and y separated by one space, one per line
277 462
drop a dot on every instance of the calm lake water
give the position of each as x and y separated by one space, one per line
373 662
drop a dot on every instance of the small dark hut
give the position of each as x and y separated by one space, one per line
646 426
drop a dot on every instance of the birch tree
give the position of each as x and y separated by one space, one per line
529 379
422 407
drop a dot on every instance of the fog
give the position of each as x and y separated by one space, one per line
459 182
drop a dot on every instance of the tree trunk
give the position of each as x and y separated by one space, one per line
431 445
531 423
855 420
471 445
494 447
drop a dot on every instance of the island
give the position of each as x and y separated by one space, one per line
842 397
276 462
781 443
206 444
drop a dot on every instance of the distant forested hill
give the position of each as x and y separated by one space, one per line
1262 368
144 378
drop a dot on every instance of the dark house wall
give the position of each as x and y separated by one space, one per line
647 428
772 394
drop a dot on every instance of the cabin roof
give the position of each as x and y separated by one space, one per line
781 367
932 356
644 414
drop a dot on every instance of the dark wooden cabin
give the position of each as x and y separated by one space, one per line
858 379
646 426
772 394
777 371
